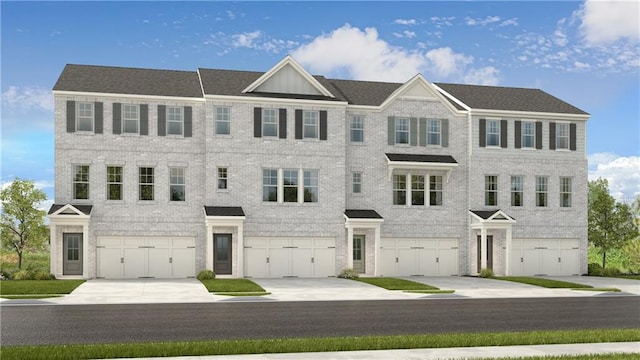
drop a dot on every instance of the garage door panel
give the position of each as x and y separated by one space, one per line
159 266
279 242
406 243
134 242
159 242
255 242
388 265
324 243
134 262
570 262
279 262
302 243
427 244
324 262
407 262
447 261
183 263
109 242
256 262
301 265
427 262
109 265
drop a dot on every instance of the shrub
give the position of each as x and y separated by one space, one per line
611 271
349 274
595 269
206 275
42 274
22 275
6 275
486 273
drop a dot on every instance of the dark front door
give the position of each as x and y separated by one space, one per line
358 254
489 252
222 254
72 247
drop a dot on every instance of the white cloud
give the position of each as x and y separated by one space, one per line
480 21
605 22
245 39
28 98
259 41
447 62
510 22
484 76
405 34
622 173
442 21
405 21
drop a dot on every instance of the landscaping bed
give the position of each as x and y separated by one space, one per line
390 283
31 289
233 287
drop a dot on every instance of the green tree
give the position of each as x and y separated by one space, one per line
22 224
611 224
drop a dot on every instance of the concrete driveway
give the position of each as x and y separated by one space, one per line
626 285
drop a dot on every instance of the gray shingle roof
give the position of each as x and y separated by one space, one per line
223 211
486 214
509 98
85 209
365 92
447 159
119 80
362 214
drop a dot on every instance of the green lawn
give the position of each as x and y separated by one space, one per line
395 284
631 277
233 287
547 283
32 288
265 346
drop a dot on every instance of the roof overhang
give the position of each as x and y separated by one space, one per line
362 219
494 219
223 215
68 214
276 100
530 114
127 96
427 163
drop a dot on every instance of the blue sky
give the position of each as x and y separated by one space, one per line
586 53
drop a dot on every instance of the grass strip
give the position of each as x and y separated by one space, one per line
581 357
38 287
37 296
599 289
395 284
430 291
232 286
265 346
542 282
630 277
248 293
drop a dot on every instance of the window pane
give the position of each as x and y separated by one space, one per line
84 116
310 186
357 183
417 190
541 191
516 190
145 175
493 133
223 121
402 131
81 182
290 182
174 120
270 185
399 189
433 132
114 183
222 178
269 122
357 129
435 190
177 184
491 190
562 136
130 118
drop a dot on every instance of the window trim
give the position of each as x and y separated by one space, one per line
90 119
359 121
398 120
523 135
116 183
358 182
566 192
75 182
146 184
125 119
397 180
222 174
518 189
313 175
295 185
169 121
438 133
438 201
270 185
563 124
182 175
489 190
222 118
540 191
276 121
488 133
316 127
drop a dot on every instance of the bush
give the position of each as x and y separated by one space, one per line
595 269
611 272
349 274
486 273
42 274
22 275
206 275
6 275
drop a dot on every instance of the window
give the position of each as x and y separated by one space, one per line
517 190
493 133
417 190
433 132
176 184
270 185
357 128
175 120
145 183
310 186
402 131
542 185
356 182
84 116
310 121
399 189
223 121
562 136
222 178
270 122
114 182
290 185
565 192
435 190
81 182
130 119
491 190
528 135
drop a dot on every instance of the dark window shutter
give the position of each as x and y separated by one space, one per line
144 119
422 131
298 124
391 130
323 125
117 118
503 133
188 121
71 116
539 135
552 136
517 139
483 133
257 122
413 131
444 141
98 117
162 120
572 137
282 124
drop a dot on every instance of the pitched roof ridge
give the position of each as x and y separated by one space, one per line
130 68
368 81
489 86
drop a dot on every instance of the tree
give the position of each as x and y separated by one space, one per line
22 224
611 224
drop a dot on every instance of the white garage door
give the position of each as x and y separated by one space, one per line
545 257
287 257
418 257
141 257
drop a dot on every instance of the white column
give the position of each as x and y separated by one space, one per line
209 247
376 250
349 247
240 251
53 250
280 190
85 251
483 248
507 262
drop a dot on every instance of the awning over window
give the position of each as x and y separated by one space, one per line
421 162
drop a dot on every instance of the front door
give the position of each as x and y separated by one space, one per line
72 247
222 254
358 254
489 252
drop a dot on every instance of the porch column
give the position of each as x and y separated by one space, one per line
483 248
507 263
240 251
53 249
209 247
85 251
376 250
349 247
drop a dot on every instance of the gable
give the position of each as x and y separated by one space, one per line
419 90
288 81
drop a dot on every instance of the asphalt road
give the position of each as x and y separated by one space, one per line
68 324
